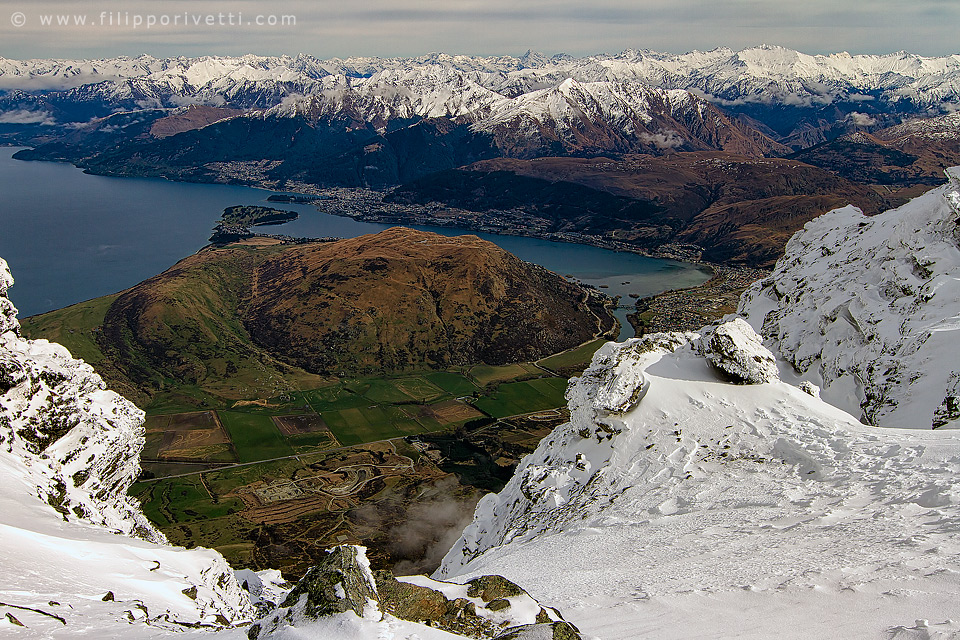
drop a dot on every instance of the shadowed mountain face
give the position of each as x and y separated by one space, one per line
913 153
739 209
397 300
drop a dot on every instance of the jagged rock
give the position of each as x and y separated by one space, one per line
735 349
82 441
341 582
491 588
545 631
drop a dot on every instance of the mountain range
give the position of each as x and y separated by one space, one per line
301 124
373 121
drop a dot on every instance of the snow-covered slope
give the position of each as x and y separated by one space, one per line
68 452
901 82
625 116
678 504
762 74
869 309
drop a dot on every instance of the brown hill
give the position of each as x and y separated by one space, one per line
739 209
393 301
403 299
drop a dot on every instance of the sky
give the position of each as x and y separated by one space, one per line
344 28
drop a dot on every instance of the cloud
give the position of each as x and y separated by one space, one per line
430 530
23 116
861 119
667 139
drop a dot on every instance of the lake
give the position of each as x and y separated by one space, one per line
69 236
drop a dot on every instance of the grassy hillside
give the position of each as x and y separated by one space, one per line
262 320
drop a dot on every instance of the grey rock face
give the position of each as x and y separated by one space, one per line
735 349
341 582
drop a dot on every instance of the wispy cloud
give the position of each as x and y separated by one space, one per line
23 116
408 27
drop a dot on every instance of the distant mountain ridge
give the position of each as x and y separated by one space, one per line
791 94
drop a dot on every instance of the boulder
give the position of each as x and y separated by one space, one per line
736 350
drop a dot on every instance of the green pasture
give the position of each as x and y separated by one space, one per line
254 436
516 398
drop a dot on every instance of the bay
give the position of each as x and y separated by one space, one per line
69 236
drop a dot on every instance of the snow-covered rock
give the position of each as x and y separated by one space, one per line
342 586
719 510
736 349
340 582
868 309
69 450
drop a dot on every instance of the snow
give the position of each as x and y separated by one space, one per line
718 510
68 452
349 626
80 571
676 504
868 309
454 85
701 508
673 504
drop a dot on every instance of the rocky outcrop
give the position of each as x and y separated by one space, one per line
340 582
735 349
80 441
69 451
866 308
483 608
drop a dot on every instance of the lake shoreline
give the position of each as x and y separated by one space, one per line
97 235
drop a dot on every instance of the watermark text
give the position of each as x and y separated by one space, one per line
130 20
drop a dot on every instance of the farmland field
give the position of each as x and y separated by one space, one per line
187 437
517 398
254 436
486 374
577 358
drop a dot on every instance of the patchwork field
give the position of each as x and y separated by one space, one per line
274 481
187 437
